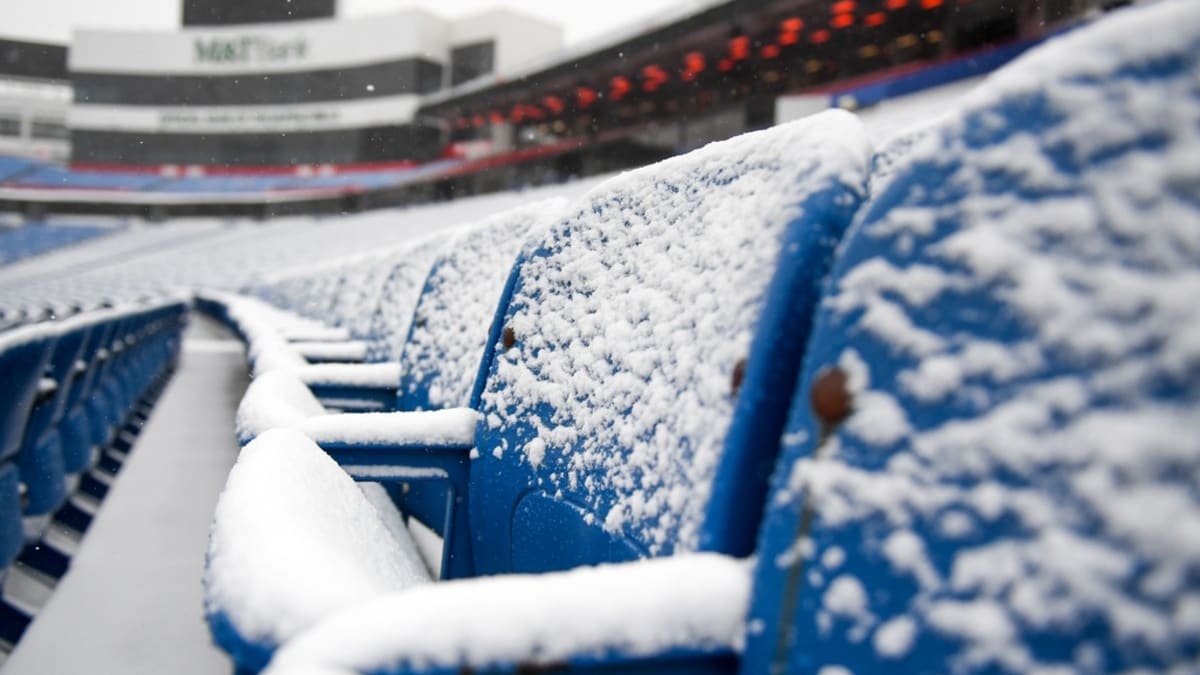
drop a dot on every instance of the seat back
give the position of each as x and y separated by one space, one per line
398 298
41 457
24 353
639 375
360 291
1011 325
453 316
61 369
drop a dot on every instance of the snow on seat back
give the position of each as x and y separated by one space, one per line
1017 485
308 292
612 389
398 298
358 296
440 360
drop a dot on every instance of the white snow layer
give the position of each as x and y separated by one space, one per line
695 601
279 559
376 375
275 400
151 261
446 345
278 399
1066 439
398 298
450 427
630 331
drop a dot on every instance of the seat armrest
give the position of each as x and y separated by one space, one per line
293 540
275 400
357 387
348 375
348 351
450 429
689 607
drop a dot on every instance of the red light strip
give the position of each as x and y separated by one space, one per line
739 48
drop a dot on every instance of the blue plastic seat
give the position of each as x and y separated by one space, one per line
1013 314
987 466
24 353
451 314
76 427
41 460
690 285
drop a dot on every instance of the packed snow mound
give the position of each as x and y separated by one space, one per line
1018 489
627 323
441 359
695 602
279 560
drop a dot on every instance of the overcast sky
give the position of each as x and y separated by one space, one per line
53 20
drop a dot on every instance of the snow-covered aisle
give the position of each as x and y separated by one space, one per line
132 602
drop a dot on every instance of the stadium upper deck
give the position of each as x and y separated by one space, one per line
707 71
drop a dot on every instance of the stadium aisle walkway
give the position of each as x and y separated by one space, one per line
132 602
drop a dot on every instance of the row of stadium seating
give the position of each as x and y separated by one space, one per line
19 173
75 394
853 94
783 404
32 239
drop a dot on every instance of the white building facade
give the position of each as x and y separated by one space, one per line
330 91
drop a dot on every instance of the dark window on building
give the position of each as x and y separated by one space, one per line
471 61
10 126
339 146
32 59
53 129
227 12
406 76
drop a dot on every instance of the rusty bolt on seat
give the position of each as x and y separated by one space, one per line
739 374
508 339
830 396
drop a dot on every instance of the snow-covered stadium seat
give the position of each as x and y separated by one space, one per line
655 333
439 362
448 328
41 459
24 353
990 461
70 386
1016 490
398 298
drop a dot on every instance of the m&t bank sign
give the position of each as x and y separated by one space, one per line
249 49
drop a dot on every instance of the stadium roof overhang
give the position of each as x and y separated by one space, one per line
720 44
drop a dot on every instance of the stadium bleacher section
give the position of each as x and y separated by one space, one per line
31 239
76 393
12 167
785 404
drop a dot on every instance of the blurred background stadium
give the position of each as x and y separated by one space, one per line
281 107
